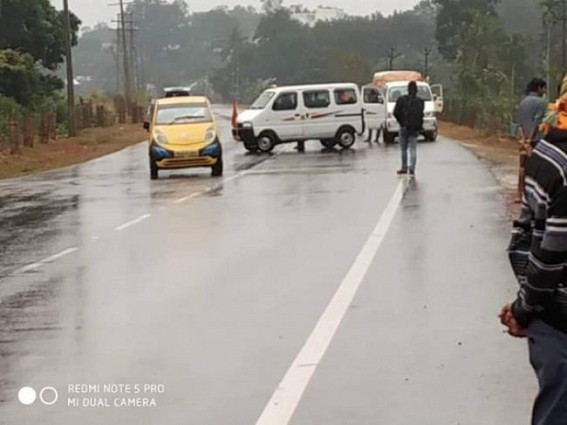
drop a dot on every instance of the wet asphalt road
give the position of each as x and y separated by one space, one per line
212 287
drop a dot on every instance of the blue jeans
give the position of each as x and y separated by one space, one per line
408 142
548 356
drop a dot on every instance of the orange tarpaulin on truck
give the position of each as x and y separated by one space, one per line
381 78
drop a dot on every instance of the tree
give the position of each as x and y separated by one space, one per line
35 27
453 16
271 6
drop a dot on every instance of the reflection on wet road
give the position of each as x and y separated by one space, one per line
211 287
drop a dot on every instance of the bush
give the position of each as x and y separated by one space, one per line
9 109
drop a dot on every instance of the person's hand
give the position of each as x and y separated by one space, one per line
507 319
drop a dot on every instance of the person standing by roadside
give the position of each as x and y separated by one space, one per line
409 114
532 109
529 115
538 253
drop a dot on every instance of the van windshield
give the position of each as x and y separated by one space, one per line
263 100
394 93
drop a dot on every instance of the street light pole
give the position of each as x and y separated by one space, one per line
70 78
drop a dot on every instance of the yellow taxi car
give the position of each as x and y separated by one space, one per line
183 134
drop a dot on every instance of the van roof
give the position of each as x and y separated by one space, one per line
315 86
181 99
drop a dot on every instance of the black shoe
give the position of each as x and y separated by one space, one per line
401 172
412 172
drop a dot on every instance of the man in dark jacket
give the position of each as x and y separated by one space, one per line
409 114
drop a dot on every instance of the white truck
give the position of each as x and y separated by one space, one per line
393 85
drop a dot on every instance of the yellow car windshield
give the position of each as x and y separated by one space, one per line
183 113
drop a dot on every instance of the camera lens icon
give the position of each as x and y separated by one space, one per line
28 396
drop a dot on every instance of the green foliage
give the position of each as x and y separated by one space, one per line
454 16
43 37
9 109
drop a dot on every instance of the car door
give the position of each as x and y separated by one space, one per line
374 108
437 91
319 117
287 116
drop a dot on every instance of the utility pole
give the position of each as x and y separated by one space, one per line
392 56
125 56
70 77
427 53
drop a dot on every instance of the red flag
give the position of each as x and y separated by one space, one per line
234 114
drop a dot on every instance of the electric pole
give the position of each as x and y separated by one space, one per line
70 77
391 58
125 57
427 53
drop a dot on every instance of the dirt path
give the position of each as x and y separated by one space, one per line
90 144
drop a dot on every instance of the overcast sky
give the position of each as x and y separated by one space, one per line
94 11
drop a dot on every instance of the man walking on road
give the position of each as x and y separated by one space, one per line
409 114
538 252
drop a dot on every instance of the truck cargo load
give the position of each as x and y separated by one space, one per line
384 77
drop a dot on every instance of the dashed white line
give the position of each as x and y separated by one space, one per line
289 392
187 198
133 222
209 189
45 261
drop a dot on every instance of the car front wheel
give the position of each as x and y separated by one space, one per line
217 169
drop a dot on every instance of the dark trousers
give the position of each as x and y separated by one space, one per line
548 356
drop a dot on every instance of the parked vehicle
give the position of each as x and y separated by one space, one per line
183 134
331 113
393 85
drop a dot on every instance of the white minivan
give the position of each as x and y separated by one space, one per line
392 91
331 113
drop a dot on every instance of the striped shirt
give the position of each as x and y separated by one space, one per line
543 290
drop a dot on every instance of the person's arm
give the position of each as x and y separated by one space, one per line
546 263
398 110
540 113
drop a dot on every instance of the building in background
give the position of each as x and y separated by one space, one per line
326 14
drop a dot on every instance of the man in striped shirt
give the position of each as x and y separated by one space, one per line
540 310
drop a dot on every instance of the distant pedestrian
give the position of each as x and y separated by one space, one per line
409 114
538 252
532 109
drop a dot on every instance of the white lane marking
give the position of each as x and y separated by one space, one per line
187 198
45 261
289 392
133 222
210 188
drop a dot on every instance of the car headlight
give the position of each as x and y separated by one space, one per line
211 150
160 137
246 125
210 135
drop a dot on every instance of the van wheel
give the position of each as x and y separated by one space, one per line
328 143
389 138
217 169
346 137
153 170
251 146
266 143
431 136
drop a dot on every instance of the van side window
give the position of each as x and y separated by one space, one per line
345 97
317 99
286 102
372 96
